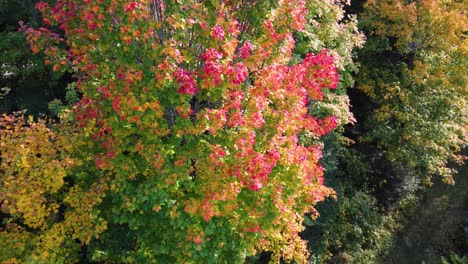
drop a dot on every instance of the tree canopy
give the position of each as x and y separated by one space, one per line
217 131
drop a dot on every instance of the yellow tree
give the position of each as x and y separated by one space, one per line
44 211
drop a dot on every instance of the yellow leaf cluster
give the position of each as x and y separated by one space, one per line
31 170
44 216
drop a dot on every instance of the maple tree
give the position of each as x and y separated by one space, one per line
193 137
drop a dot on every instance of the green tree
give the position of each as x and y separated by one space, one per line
413 70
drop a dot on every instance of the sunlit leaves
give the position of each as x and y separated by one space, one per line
192 112
45 219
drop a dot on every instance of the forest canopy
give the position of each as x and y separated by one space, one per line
247 131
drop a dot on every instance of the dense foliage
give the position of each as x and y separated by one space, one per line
221 131
45 211
414 70
197 123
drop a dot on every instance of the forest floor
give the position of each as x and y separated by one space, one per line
437 227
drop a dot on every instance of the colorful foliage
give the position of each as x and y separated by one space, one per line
45 214
193 132
197 123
